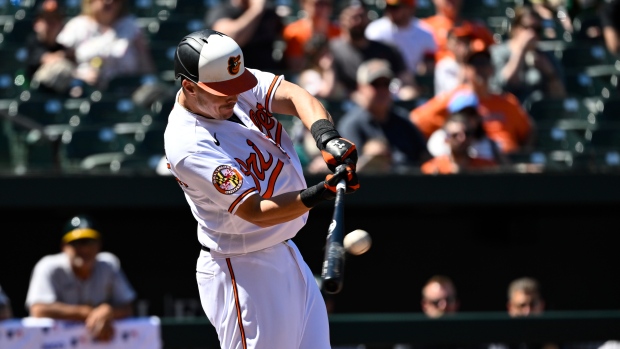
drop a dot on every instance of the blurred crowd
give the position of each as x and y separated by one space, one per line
439 87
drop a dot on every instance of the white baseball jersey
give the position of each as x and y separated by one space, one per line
220 163
254 286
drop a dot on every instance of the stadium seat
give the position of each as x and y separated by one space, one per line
43 111
581 55
86 141
551 110
15 31
114 110
173 29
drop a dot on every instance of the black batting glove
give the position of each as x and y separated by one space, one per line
334 149
326 190
339 151
345 172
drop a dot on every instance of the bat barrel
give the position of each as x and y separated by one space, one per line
333 262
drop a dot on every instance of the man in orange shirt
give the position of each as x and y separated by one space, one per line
317 21
504 119
447 16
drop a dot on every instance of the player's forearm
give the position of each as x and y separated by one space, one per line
268 212
60 311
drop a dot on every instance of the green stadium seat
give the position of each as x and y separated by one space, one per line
174 28
424 8
552 110
115 110
15 32
86 141
578 56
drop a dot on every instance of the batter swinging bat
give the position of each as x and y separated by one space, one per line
333 262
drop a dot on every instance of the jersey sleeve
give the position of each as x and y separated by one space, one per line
41 288
215 181
267 85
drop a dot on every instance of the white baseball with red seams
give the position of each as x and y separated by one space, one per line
357 242
218 165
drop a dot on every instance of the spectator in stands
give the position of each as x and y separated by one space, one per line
352 47
399 26
459 138
5 306
81 283
522 68
317 19
555 19
376 117
255 25
319 77
466 102
448 72
610 21
505 121
439 297
106 41
524 299
448 15
47 67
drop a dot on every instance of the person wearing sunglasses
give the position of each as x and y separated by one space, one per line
521 67
459 138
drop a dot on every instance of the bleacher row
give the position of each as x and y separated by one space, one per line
106 131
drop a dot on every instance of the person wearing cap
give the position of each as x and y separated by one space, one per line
521 67
448 72
81 283
505 121
399 27
245 186
447 16
375 116
458 137
466 102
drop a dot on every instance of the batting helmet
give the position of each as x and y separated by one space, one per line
80 227
214 61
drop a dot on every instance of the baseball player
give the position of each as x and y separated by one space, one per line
81 283
245 187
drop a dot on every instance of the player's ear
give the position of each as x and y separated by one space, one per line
189 86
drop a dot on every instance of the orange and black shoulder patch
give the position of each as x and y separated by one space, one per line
227 179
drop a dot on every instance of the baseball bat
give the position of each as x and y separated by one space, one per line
333 262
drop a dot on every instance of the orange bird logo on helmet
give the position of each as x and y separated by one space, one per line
234 63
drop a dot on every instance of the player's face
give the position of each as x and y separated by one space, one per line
215 107
82 253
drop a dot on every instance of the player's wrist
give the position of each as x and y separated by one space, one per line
315 194
323 131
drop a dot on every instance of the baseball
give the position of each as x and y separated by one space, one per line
357 242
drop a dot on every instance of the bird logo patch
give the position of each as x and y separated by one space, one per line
227 179
234 64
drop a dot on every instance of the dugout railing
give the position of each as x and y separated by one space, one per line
462 328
